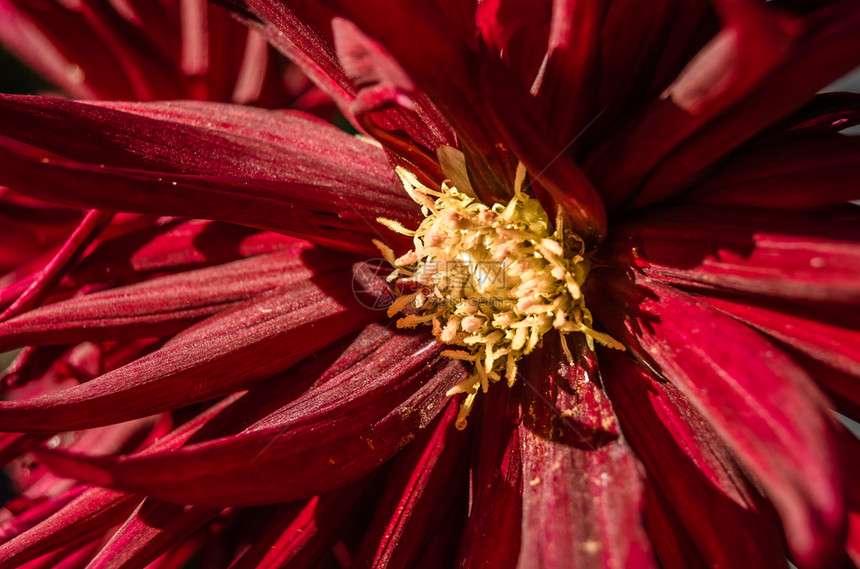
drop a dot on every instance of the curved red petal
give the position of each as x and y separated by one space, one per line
427 481
670 539
568 84
831 112
303 39
666 147
546 160
300 535
338 432
217 356
831 337
756 398
317 213
451 83
163 306
724 515
250 166
795 171
388 102
827 50
642 48
152 529
142 51
743 251
179 245
92 513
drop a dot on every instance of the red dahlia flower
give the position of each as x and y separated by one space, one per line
667 199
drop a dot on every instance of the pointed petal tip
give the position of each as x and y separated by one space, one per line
70 464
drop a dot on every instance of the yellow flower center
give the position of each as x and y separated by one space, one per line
491 280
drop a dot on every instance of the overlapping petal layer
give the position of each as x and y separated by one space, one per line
301 177
759 401
264 335
369 411
750 252
163 306
142 50
694 470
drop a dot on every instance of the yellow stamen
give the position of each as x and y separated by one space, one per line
492 280
465 408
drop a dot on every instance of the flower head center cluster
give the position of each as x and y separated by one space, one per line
489 280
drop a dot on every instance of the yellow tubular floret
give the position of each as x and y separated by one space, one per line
492 280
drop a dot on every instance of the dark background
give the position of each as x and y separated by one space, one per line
16 78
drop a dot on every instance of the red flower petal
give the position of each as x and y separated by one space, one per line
317 213
152 529
451 83
795 171
546 161
301 538
93 512
88 60
670 539
303 32
762 404
498 486
141 50
461 14
304 44
196 137
36 513
669 147
724 515
643 47
163 306
97 509
826 112
567 88
255 167
841 388
42 284
517 32
582 494
827 50
219 355
444 542
745 251
281 391
832 340
499 20
176 246
718 75
338 432
851 452
30 230
853 546
387 102
427 481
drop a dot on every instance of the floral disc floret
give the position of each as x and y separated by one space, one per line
490 280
